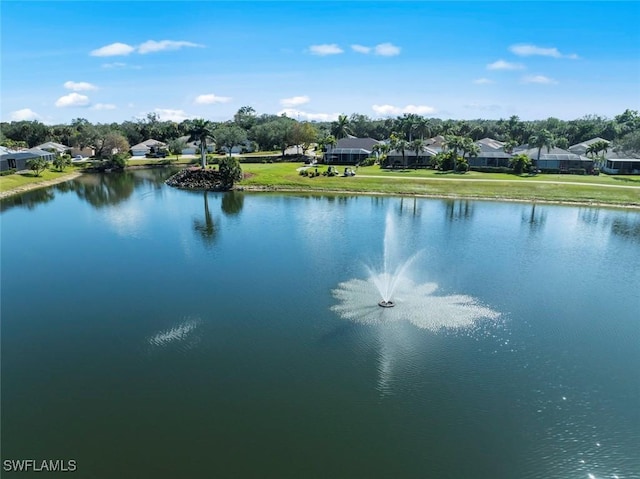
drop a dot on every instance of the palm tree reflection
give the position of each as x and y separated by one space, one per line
206 228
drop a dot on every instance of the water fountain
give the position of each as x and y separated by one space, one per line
388 294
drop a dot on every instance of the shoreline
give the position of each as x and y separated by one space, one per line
277 189
42 184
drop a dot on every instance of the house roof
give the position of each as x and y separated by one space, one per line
366 143
426 152
490 143
55 146
621 155
152 142
554 154
349 151
586 144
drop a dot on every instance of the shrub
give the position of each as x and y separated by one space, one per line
577 171
462 165
10 171
368 161
491 169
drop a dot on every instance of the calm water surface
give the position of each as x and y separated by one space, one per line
152 332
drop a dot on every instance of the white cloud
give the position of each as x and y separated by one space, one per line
114 49
325 49
386 50
72 99
541 79
210 98
361 49
387 110
114 65
526 50
79 86
295 101
26 114
303 115
166 114
482 81
104 106
151 46
504 65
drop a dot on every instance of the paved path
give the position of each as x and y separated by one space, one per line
574 183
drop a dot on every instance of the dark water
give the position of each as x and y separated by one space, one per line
152 332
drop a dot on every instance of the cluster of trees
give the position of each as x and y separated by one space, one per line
272 132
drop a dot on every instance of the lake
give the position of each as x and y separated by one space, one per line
154 332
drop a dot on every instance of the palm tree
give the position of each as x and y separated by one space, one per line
418 145
381 150
544 138
453 143
424 127
201 130
469 148
401 145
340 128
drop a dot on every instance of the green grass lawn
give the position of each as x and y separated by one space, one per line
570 188
18 180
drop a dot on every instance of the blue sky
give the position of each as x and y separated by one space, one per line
119 60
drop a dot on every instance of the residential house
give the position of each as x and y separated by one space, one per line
581 148
18 159
146 147
395 158
620 163
57 148
350 151
491 154
558 160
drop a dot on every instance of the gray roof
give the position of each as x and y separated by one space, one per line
554 154
621 155
55 146
425 152
586 144
493 154
490 143
349 151
366 143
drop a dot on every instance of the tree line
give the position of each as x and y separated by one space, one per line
267 132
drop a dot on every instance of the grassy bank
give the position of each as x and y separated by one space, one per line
614 190
19 181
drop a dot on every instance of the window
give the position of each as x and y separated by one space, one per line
12 162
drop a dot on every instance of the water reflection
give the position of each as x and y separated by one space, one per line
459 209
232 203
28 200
206 228
535 219
97 189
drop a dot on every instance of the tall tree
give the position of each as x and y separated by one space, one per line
229 136
201 130
341 127
419 146
542 139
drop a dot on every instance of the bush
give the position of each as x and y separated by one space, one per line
491 169
368 161
462 165
10 171
577 171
